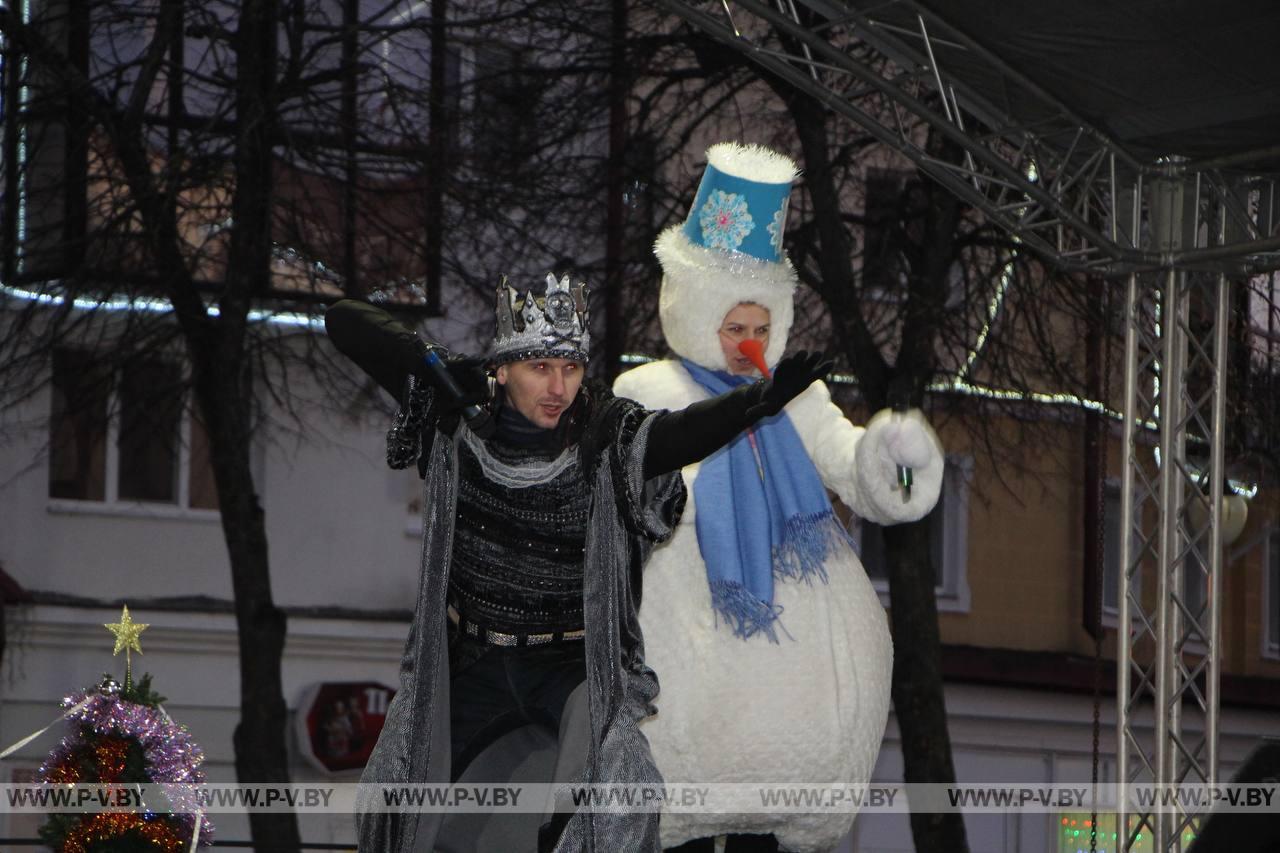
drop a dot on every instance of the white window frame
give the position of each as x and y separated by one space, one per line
1111 612
952 589
111 503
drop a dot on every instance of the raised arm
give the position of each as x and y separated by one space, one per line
384 348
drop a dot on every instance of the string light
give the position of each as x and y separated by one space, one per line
152 305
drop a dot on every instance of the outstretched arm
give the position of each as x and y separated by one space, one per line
383 348
683 437
389 352
860 464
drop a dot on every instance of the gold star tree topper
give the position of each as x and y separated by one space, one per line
126 632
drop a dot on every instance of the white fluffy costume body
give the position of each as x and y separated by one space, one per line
812 706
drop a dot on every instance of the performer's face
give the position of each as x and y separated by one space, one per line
541 388
746 321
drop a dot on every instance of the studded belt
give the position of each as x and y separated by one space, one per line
498 638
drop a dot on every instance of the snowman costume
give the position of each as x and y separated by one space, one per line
806 700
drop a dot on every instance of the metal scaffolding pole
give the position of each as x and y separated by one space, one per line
1175 377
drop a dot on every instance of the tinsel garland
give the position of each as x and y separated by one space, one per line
110 757
107 826
102 729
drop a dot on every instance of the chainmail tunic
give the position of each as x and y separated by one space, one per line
518 538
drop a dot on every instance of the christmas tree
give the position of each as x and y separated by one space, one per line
121 735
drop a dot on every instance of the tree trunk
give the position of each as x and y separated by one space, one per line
225 393
259 739
837 286
918 702
919 705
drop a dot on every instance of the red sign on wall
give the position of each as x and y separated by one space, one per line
339 722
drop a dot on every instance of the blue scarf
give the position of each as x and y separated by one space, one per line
762 513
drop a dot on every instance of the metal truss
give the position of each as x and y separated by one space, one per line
1171 499
1172 230
903 73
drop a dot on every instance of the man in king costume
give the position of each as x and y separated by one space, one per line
533 543
757 602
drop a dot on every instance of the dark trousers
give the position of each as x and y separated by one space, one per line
497 689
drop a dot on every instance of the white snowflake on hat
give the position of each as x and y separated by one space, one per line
776 227
725 220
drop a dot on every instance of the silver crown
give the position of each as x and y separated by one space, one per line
555 327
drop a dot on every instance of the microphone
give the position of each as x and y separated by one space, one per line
753 350
477 419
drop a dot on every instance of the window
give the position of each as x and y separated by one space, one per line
1113 529
1195 583
78 428
46 165
123 436
948 540
1271 597
1194 570
150 413
505 120
1195 574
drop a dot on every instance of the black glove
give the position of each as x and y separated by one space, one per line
792 375
472 380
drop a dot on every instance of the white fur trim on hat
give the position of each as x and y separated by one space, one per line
752 162
700 286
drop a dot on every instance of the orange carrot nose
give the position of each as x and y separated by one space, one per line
753 350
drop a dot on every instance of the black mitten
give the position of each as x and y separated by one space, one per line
792 375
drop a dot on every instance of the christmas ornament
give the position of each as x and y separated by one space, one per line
121 734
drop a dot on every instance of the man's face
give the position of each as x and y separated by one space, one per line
541 388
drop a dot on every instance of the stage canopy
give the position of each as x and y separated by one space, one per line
1195 79
1066 112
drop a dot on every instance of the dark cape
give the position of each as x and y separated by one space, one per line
628 516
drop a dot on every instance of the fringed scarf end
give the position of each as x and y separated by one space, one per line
807 542
746 614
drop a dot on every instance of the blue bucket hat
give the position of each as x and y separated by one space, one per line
729 251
